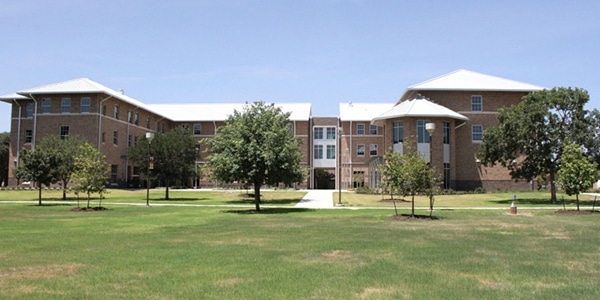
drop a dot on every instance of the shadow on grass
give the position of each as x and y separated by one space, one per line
268 211
180 199
546 201
270 201
415 217
51 204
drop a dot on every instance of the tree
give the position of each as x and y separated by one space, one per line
90 169
577 172
529 137
64 149
174 156
256 147
391 173
4 156
417 177
37 166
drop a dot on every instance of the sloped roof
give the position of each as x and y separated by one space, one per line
82 86
418 107
10 97
465 80
189 112
362 111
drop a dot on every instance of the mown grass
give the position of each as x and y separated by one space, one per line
136 252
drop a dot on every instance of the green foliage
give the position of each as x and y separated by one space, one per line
529 137
174 156
577 173
64 151
90 169
256 147
37 166
4 156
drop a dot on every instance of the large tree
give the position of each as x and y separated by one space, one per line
174 155
64 150
256 147
530 135
4 155
90 172
37 166
577 172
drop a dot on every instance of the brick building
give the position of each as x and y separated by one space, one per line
461 104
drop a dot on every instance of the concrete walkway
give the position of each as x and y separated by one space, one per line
317 199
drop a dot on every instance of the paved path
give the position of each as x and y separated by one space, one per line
317 199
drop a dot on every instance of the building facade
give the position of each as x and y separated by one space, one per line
338 152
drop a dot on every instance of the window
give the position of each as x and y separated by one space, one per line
113 174
373 130
28 136
148 122
46 105
65 105
64 131
331 133
422 134
197 129
135 140
115 137
29 110
330 151
103 137
318 152
129 117
104 110
373 149
116 113
291 128
360 150
84 106
398 128
477 133
360 129
446 133
476 103
136 119
318 133
129 140
358 179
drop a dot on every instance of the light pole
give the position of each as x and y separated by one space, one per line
149 137
430 127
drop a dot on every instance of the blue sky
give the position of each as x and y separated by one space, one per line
322 51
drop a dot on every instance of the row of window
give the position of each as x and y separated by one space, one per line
423 135
330 131
65 106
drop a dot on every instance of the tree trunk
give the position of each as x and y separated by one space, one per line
64 190
88 200
257 195
167 183
412 214
577 199
40 194
552 188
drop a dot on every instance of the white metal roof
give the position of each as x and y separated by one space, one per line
465 80
362 111
82 86
10 97
189 112
418 107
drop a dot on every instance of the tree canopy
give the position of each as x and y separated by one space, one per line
64 150
89 172
577 172
37 166
530 135
174 155
256 147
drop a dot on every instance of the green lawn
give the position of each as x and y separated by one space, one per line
136 252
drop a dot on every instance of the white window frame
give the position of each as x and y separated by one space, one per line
330 151
318 152
197 129
373 129
373 150
360 150
63 131
360 129
29 110
398 131
330 133
476 103
46 105
318 133
477 133
65 105
84 107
